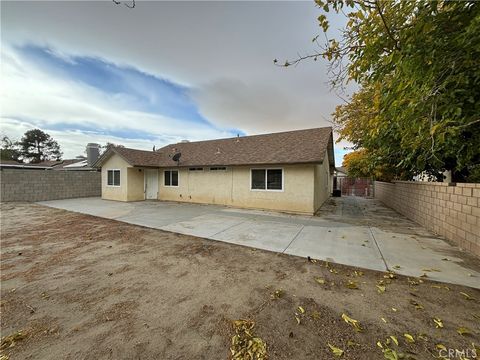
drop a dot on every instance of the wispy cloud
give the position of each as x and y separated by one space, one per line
75 96
166 70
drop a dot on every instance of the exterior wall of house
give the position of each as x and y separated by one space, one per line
305 187
232 187
119 193
323 183
135 184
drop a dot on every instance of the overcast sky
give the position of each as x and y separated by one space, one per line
161 72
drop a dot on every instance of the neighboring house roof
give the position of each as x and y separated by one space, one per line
341 170
73 164
18 165
68 164
290 147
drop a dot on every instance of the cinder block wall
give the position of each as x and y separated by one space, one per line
452 211
40 185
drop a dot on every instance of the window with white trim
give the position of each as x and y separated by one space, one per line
266 179
170 177
218 168
113 177
195 169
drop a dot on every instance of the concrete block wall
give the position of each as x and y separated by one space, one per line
449 210
40 185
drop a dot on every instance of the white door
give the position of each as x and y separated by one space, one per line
151 184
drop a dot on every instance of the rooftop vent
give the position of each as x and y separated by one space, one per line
185 141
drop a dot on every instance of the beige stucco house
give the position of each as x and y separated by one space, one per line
288 171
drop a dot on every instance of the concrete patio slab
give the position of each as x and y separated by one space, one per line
261 234
352 245
349 230
204 225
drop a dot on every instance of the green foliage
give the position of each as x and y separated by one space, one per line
361 163
8 149
418 67
37 146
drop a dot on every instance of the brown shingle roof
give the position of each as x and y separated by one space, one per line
133 156
291 147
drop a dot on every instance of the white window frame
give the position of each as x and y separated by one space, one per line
266 171
178 177
113 178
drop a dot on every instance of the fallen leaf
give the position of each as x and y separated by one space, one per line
424 275
390 354
352 343
422 337
277 294
409 338
464 331
351 284
381 288
320 280
468 297
441 347
245 343
10 340
335 350
298 320
390 275
383 319
438 323
397 267
301 309
356 325
417 305
394 339
394 309
315 315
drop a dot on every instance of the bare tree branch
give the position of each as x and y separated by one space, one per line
130 6
379 10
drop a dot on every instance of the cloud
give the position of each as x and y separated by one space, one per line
72 109
220 53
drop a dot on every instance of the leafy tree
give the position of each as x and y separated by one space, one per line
37 146
361 163
418 66
8 149
108 145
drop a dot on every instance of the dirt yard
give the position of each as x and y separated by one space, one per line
80 287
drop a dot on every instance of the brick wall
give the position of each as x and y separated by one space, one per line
449 210
39 185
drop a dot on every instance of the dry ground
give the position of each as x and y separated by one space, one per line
81 287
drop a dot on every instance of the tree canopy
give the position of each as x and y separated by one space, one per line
37 146
8 149
417 109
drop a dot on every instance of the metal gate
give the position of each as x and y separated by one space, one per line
356 186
